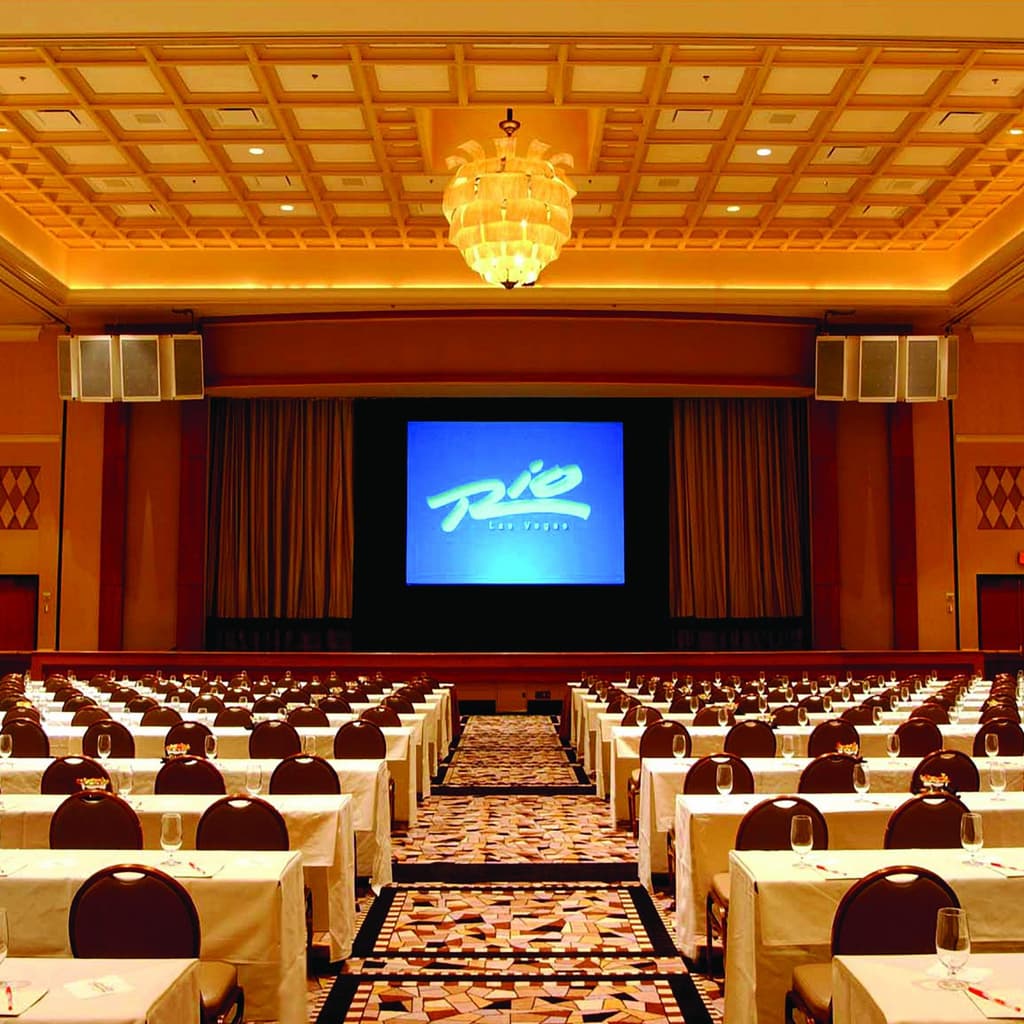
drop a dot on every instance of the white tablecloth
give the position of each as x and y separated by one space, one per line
250 913
160 992
320 827
780 916
905 990
706 832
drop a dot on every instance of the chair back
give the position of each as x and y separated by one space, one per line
933 712
1000 710
241 823
1010 733
701 778
122 742
750 739
927 821
360 739
62 775
233 717
766 826
658 738
862 714
708 715
95 820
189 775
269 706
88 715
653 715
786 714
209 703
140 705
826 737
381 715
27 738
162 714
130 910
891 912
294 695
304 773
334 705
308 715
828 773
274 739
957 766
192 733
400 705
918 736
77 702
17 712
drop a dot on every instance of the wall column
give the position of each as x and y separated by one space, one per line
114 517
903 521
195 439
824 516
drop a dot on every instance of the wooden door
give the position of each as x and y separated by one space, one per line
19 599
1001 613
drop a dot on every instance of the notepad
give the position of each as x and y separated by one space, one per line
92 988
1004 869
998 1004
189 869
23 996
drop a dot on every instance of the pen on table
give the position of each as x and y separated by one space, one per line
10 996
982 994
1005 867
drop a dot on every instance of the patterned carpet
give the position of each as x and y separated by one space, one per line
514 907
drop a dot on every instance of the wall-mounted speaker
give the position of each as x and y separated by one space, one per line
181 366
69 380
919 369
879 368
99 360
836 368
140 367
949 366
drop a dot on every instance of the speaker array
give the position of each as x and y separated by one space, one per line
886 368
130 367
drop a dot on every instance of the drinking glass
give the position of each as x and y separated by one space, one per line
892 744
253 779
170 835
723 717
953 713
210 746
126 782
675 677
695 704
627 676
801 837
723 779
972 838
103 745
679 746
641 715
991 744
826 702
718 676
4 936
861 780
308 744
997 779
801 716
788 746
876 715
6 745
762 703
953 944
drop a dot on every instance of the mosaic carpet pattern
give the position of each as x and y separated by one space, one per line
510 752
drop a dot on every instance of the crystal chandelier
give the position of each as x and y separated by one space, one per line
510 215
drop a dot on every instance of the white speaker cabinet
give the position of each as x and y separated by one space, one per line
181 366
836 368
99 360
879 368
140 367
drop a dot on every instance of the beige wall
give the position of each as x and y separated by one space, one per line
989 431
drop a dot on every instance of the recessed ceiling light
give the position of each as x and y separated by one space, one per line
256 151
286 207
732 209
764 150
1017 131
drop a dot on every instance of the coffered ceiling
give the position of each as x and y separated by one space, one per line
175 159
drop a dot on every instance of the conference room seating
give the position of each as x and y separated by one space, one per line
785 714
122 742
828 773
189 774
95 820
304 773
933 711
241 823
78 701
657 740
269 705
156 918
161 715
928 820
360 739
274 739
918 736
89 714
17 711
233 717
709 715
191 733
294 695
703 774
63 774
139 705
28 739
1010 733
750 739
827 736
890 912
334 705
957 766
208 703
309 716
629 718
381 715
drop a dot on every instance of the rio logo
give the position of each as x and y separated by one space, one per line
491 499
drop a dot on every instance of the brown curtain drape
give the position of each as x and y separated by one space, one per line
281 509
737 500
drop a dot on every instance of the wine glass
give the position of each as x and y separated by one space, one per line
952 943
695 704
723 779
641 715
308 744
170 835
6 744
788 746
210 746
675 677
861 780
826 702
103 745
876 715
801 837
997 779
953 713
4 936
679 746
723 717
253 779
892 744
801 716
972 838
991 744
126 783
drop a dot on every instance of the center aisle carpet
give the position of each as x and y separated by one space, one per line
514 908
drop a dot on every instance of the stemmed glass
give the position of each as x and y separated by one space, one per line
126 783
997 779
991 744
788 746
210 746
253 779
6 745
723 779
801 716
972 838
641 715
953 944
170 836
892 744
103 745
861 780
801 837
679 746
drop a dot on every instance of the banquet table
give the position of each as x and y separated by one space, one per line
151 991
905 989
319 827
780 915
250 909
706 833
366 781
662 780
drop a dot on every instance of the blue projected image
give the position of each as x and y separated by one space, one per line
514 503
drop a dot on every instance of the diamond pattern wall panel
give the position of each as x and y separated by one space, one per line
1000 497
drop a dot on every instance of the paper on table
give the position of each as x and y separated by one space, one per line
1006 870
833 870
90 988
22 996
998 1004
189 869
